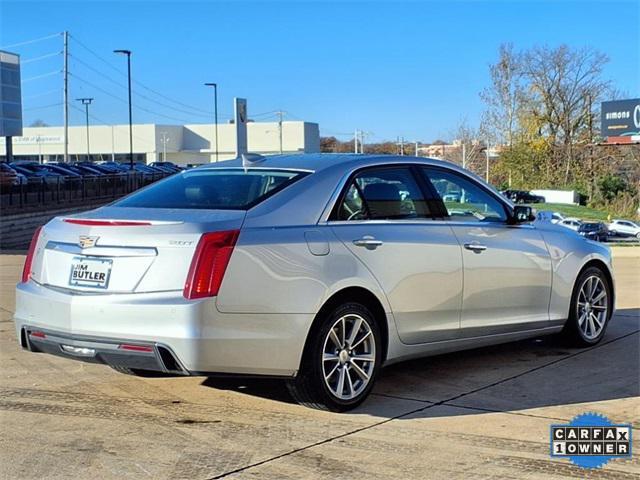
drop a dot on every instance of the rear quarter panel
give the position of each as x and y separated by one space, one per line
273 270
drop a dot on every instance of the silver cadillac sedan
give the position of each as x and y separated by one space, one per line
318 268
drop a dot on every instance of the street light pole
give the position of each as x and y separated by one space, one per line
86 102
215 111
128 54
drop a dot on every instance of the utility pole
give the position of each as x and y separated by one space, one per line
215 111
355 141
416 148
65 94
401 144
280 113
86 102
164 141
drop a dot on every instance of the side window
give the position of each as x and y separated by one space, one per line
384 194
464 200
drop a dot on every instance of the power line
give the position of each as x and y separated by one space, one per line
110 65
138 107
137 94
30 41
42 94
42 107
41 76
42 57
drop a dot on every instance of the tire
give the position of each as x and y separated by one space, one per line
638 236
310 388
588 319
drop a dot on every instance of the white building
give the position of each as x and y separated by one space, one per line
184 144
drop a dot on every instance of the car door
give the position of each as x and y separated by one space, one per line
384 219
507 267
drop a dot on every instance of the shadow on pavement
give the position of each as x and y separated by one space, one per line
514 376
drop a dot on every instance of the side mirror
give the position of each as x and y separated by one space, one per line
522 214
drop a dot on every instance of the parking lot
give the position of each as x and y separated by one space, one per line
484 413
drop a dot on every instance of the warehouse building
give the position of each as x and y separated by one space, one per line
180 144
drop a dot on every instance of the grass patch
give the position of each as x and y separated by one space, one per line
578 211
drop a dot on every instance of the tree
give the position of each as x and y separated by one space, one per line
564 83
39 123
504 98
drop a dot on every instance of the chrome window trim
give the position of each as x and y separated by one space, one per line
337 194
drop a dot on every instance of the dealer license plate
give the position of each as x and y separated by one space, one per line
90 272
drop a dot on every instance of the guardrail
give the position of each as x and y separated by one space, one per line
70 191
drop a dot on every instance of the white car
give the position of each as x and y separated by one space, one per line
557 217
624 228
572 223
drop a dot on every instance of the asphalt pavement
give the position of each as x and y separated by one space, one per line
481 414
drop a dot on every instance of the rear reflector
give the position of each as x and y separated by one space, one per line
38 334
105 223
26 270
209 263
135 348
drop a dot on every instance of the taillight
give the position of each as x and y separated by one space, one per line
26 270
105 223
209 263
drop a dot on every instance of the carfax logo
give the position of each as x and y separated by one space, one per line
590 440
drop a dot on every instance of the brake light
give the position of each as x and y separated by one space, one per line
135 348
105 223
209 263
26 270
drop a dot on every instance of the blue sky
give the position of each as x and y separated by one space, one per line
411 69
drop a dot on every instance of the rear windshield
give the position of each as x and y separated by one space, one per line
227 189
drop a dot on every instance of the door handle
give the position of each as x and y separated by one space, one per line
475 247
368 242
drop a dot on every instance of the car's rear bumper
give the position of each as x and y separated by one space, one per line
199 337
148 356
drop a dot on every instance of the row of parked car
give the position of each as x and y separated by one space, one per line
598 231
25 172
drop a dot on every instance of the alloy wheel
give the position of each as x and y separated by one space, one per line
592 307
349 356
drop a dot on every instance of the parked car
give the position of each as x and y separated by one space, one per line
594 231
571 223
35 173
520 196
310 267
625 228
169 166
8 176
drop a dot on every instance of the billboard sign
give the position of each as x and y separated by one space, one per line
621 118
10 95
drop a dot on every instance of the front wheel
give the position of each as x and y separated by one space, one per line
591 307
341 361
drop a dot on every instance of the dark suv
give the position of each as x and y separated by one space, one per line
594 231
520 196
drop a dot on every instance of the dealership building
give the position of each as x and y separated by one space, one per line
181 144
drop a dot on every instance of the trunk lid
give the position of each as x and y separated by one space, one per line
125 250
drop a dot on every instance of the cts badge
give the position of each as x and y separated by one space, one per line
86 241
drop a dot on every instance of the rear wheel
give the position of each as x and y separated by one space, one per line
341 361
591 306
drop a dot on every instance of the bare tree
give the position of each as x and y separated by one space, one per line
504 97
564 83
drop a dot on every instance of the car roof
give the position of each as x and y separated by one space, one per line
320 161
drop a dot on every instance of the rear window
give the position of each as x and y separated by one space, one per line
232 189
